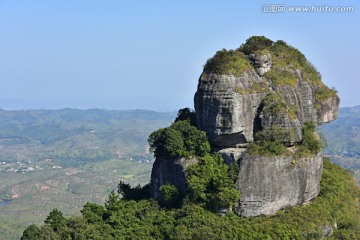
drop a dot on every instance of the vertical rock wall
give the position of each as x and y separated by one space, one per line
269 184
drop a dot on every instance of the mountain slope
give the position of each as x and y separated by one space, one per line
65 158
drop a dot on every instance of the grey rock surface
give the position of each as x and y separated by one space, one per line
225 115
169 170
327 230
284 122
229 110
269 184
262 62
231 155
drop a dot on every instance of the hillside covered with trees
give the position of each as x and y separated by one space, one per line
133 215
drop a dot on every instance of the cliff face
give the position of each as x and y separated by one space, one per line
269 184
230 110
225 115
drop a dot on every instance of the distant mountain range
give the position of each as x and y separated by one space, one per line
65 158
71 137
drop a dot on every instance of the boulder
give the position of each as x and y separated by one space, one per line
268 184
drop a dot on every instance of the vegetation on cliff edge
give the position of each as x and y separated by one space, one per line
285 61
227 62
269 143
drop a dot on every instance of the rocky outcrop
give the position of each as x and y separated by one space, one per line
228 108
169 170
328 110
261 95
224 114
269 184
262 62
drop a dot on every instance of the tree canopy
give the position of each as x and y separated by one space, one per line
181 139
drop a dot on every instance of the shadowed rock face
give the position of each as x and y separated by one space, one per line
169 170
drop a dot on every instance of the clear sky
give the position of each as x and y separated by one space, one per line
149 54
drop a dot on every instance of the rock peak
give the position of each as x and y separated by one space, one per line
256 104
259 106
230 101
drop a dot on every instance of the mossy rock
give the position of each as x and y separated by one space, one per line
228 63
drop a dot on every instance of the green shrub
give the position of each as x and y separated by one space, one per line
310 144
323 93
274 105
210 183
93 212
256 87
310 139
227 63
169 195
136 193
284 55
31 233
55 219
281 77
267 148
181 139
166 142
195 141
255 44
285 135
186 114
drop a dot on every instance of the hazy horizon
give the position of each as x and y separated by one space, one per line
41 104
149 55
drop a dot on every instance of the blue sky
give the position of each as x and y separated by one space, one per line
149 54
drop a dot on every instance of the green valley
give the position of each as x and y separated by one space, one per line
65 158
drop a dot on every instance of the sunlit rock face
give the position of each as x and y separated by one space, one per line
243 93
230 111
